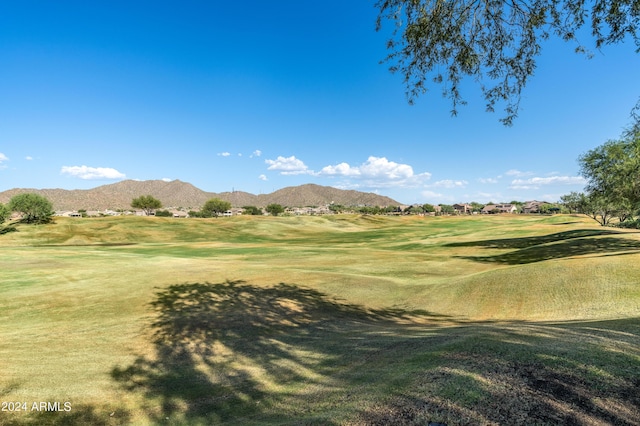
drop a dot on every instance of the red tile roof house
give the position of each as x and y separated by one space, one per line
499 208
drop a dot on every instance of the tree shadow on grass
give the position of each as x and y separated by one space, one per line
7 229
240 353
553 246
526 374
605 246
224 349
85 414
524 242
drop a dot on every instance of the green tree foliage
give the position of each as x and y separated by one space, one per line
414 209
476 207
252 210
550 208
146 203
274 209
337 208
5 213
494 42
33 207
368 210
574 202
446 209
428 208
612 171
214 207
599 208
164 213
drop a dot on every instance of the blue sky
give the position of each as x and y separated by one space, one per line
257 96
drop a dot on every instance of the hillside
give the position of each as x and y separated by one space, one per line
182 194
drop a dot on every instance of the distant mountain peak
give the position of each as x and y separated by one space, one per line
177 193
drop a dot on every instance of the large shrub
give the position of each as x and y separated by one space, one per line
214 208
146 203
33 207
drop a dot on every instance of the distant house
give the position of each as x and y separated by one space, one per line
297 211
532 206
499 208
321 210
308 211
69 214
463 208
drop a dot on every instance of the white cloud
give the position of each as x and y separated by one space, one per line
485 197
488 180
523 187
262 177
3 158
342 169
288 166
166 179
224 154
84 172
347 185
517 173
381 167
551 197
431 194
256 153
378 172
536 182
448 183
28 158
436 197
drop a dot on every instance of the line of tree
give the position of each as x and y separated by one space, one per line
612 170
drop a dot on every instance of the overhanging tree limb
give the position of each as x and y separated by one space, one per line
496 42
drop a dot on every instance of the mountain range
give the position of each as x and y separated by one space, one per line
183 194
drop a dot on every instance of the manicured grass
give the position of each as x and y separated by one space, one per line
321 320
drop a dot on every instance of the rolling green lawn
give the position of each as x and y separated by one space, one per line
321 320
